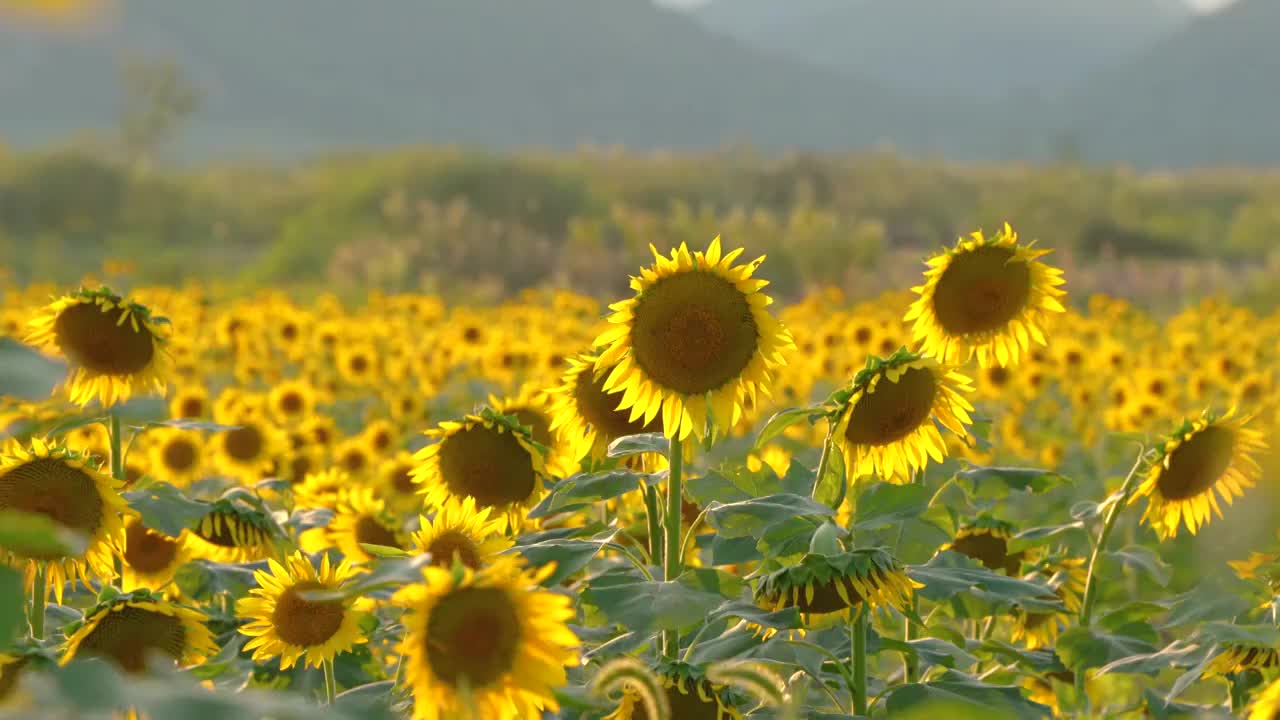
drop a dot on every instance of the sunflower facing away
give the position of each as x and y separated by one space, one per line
987 541
132 628
696 339
585 416
114 348
887 420
689 696
53 481
1239 658
821 584
987 295
492 634
285 624
233 532
487 457
458 531
1201 460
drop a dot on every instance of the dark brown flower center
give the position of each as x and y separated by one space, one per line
47 486
179 455
131 636
490 466
147 551
473 633
599 408
1198 463
826 596
306 622
693 332
402 480
191 407
291 403
451 544
244 443
353 460
371 531
989 549
96 340
894 410
539 426
981 291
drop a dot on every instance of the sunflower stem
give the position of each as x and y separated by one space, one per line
655 524
671 565
858 642
39 587
1090 583
911 666
117 474
330 683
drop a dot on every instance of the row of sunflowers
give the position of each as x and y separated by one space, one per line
687 504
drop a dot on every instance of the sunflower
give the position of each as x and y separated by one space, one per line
487 457
358 363
585 417
380 436
458 531
696 339
354 457
129 629
820 584
291 401
284 623
362 518
690 696
1201 460
190 402
114 348
492 634
149 557
395 484
53 481
987 541
1267 705
321 489
1067 577
1239 658
987 296
322 430
887 419
233 532
533 409
177 455
250 450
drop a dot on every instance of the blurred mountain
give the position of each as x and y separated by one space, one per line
1210 94
953 48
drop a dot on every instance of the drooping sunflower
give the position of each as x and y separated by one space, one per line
586 417
233 532
492 634
689 695
1201 460
1241 657
819 584
50 480
149 557
130 629
987 541
696 339
362 518
177 455
250 450
114 348
887 419
987 296
487 457
284 623
458 531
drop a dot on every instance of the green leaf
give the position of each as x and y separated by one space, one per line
12 604
1178 654
570 556
717 486
1139 558
931 651
956 695
638 444
830 489
590 488
1082 648
1160 709
1035 537
646 605
1224 633
387 574
67 426
755 516
782 420
950 574
884 504
1203 603
164 508
383 551
37 535
191 424
1031 479
372 701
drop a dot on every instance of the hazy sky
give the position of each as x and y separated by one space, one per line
1199 4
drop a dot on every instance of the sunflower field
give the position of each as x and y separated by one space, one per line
973 498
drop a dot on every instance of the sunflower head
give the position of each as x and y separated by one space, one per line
585 417
113 347
488 457
532 409
149 557
493 634
1066 576
291 401
1241 658
459 532
361 518
694 343
53 481
396 485
887 419
250 449
176 455
1267 705
987 296
190 402
321 489
134 629
821 584
1202 460
987 541
287 620
689 695
234 530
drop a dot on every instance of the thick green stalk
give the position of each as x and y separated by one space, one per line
117 455
654 517
1090 585
671 561
39 587
911 669
330 683
858 641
